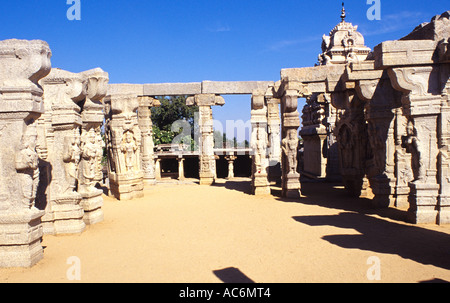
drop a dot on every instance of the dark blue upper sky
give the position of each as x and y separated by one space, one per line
139 41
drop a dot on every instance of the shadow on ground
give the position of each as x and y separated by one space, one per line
232 275
377 234
381 236
244 186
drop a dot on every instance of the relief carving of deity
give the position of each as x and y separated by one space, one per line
289 146
129 148
27 167
71 158
89 159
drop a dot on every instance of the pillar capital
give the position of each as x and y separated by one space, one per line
205 100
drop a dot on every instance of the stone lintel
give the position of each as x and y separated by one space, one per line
172 89
403 53
312 74
123 89
234 87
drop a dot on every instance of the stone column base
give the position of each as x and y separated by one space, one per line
444 210
383 190
291 186
401 199
20 238
92 203
126 187
206 180
260 184
149 183
64 219
423 203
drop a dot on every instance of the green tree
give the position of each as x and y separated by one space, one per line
172 109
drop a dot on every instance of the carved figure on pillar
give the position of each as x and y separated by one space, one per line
413 143
290 150
27 166
129 148
71 158
90 151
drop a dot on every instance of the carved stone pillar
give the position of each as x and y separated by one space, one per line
22 64
206 138
259 143
274 132
90 168
64 93
124 138
380 110
351 134
314 135
444 144
403 170
289 144
147 147
230 159
421 105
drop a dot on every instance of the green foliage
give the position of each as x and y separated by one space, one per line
172 109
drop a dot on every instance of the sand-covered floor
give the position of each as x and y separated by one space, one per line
192 233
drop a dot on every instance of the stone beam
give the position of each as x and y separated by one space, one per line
234 87
172 89
124 89
403 53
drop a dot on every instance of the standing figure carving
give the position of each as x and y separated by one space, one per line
413 144
129 148
290 146
71 159
89 160
27 165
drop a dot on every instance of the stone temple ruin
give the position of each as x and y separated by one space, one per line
377 119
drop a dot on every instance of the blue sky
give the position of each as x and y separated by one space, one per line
138 41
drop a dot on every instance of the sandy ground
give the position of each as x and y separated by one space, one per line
192 233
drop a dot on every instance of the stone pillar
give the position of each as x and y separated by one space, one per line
90 168
403 170
289 144
22 64
314 134
158 169
147 147
206 138
351 134
259 143
444 144
418 67
274 132
380 110
64 94
422 108
230 159
124 138
181 168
